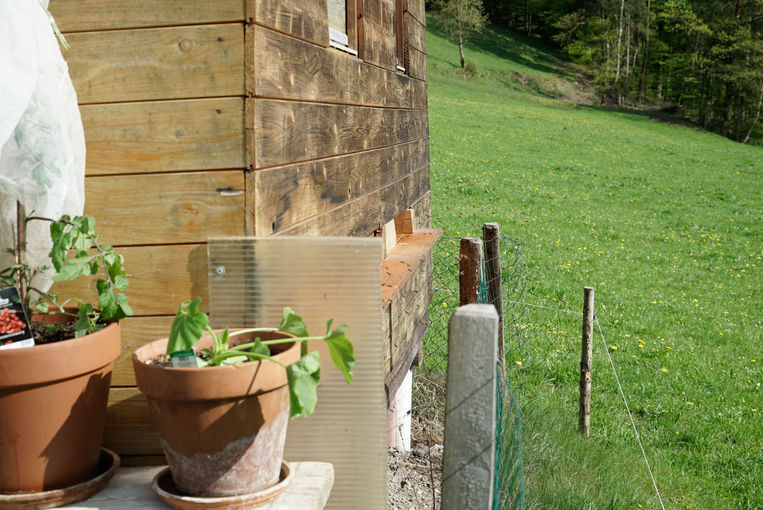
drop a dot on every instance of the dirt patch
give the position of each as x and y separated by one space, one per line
414 478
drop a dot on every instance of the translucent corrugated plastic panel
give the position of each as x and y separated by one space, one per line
252 279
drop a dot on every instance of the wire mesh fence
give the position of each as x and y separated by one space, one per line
428 409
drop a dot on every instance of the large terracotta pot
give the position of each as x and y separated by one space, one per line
222 428
52 410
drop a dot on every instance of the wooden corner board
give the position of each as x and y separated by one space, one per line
403 259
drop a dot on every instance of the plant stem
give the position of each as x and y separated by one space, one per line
242 347
21 251
217 359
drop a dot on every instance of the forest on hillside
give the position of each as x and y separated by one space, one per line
701 59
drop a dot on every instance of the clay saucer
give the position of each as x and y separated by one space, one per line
165 489
108 463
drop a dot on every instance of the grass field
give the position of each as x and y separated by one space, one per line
665 222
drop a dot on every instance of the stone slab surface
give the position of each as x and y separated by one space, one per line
130 489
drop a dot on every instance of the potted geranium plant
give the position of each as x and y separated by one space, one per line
53 395
221 399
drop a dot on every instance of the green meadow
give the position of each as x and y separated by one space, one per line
665 222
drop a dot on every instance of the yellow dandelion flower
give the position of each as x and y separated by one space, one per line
663 369
518 363
613 347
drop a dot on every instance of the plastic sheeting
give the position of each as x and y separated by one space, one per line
42 142
252 279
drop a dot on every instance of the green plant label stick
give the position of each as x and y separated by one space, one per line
14 325
186 359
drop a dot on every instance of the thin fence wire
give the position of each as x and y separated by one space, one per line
429 379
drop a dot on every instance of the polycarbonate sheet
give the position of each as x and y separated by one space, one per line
252 279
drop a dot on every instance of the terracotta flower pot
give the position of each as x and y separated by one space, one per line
222 428
52 410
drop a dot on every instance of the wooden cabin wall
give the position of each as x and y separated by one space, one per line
233 117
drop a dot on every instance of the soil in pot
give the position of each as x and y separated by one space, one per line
222 428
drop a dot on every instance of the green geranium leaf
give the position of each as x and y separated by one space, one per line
83 325
292 323
259 348
304 376
234 360
342 353
188 326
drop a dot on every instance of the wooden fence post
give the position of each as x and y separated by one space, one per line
493 277
586 363
469 262
468 473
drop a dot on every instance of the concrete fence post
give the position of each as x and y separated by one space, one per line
469 456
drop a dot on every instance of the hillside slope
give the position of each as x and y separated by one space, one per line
665 221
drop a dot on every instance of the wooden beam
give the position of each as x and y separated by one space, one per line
405 222
469 263
164 136
401 262
157 63
82 15
305 19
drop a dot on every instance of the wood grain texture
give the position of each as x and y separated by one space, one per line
409 308
161 277
80 15
363 215
181 207
164 136
137 331
423 211
157 63
380 12
289 132
416 9
400 263
386 338
128 429
416 34
418 64
290 194
379 46
305 19
288 68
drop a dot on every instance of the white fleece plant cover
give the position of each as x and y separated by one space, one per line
42 142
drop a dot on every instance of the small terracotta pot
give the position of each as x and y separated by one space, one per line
52 409
222 428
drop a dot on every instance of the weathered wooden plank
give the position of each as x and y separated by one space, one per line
409 309
363 215
290 194
80 15
380 12
305 19
386 338
182 207
379 46
418 94
161 277
418 64
416 9
128 429
290 132
164 136
423 211
137 331
400 263
157 63
416 33
288 68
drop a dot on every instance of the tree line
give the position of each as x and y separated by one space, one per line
701 58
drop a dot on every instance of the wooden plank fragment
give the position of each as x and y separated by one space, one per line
408 254
423 211
161 277
409 309
416 9
386 338
379 46
137 331
418 64
405 222
305 19
288 68
363 215
416 34
128 429
380 12
290 132
81 15
290 194
157 63
182 207
164 136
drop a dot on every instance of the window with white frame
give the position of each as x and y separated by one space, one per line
342 16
